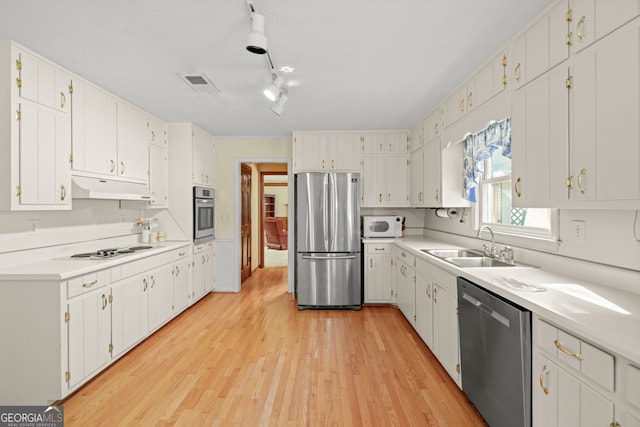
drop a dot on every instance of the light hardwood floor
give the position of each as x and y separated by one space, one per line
252 359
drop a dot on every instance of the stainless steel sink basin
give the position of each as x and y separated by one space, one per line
453 253
481 261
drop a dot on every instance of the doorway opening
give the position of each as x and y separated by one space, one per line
274 224
264 216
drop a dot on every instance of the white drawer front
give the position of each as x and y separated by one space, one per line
378 248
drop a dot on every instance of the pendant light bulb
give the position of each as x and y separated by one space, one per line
273 90
257 41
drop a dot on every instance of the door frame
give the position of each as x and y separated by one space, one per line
236 227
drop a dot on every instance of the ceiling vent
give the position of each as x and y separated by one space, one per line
200 83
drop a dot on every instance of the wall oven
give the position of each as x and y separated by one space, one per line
203 214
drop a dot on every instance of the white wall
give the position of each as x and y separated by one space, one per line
88 220
609 236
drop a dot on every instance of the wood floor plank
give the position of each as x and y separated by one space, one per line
252 359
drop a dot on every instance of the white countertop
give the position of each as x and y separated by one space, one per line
607 316
61 267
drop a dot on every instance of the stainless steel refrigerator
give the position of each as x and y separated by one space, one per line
327 236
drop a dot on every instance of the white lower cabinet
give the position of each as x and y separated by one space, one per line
160 296
405 284
437 324
378 273
203 270
427 296
97 317
182 281
578 384
88 321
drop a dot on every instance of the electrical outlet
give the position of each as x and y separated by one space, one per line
578 227
33 225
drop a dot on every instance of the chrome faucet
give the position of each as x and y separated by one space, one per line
489 251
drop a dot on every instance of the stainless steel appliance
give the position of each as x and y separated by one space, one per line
203 214
495 355
382 226
327 237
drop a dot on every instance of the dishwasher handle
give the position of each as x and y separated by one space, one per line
494 314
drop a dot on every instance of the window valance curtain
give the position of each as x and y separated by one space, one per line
481 146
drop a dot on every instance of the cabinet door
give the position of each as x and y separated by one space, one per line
203 158
157 132
132 143
199 262
345 152
605 155
374 180
483 84
518 65
378 278
424 308
374 143
405 288
42 82
432 174
445 329
397 185
45 142
311 151
158 176
540 148
416 184
396 143
545 392
94 135
181 284
129 312
89 333
160 296
594 19
209 270
418 135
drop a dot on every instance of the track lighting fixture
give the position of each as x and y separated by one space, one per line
273 90
278 107
257 43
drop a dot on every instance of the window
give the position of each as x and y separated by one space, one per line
487 180
495 204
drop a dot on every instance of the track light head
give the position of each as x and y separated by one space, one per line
278 107
257 41
273 90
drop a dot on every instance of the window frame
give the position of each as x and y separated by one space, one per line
550 234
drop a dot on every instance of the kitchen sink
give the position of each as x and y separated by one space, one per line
453 253
481 261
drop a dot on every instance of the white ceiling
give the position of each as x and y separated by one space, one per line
361 64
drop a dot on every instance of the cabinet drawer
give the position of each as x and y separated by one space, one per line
633 385
405 257
88 282
378 248
589 360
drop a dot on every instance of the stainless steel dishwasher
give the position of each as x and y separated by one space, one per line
495 355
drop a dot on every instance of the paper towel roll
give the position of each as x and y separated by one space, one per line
442 213
447 213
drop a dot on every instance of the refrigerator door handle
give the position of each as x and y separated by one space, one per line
328 257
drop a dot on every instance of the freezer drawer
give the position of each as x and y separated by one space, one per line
329 280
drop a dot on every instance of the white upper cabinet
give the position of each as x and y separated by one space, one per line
542 46
386 142
593 19
110 137
203 158
327 151
604 127
132 143
95 143
37 131
540 141
432 127
417 135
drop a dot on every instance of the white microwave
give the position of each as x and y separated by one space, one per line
382 226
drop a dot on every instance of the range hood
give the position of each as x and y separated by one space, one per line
96 188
